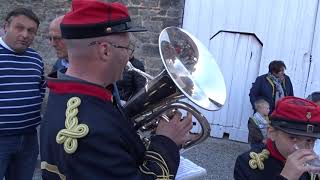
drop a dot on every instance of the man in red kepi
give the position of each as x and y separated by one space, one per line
83 133
288 155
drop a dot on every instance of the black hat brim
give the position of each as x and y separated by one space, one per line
298 132
134 29
96 30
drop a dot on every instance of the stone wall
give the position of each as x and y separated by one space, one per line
155 15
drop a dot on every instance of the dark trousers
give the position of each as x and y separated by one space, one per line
18 156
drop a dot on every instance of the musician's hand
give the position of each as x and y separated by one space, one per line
297 164
176 129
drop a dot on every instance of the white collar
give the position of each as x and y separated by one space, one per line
5 45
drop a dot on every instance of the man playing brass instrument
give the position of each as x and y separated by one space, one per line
84 135
288 154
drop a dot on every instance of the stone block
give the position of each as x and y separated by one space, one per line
177 4
165 3
174 13
153 26
158 18
172 22
136 2
150 50
150 3
162 12
133 11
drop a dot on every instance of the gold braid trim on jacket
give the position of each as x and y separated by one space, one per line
73 131
156 158
257 159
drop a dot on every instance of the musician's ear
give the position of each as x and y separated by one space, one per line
104 50
271 133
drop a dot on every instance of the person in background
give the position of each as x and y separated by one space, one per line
271 86
258 123
57 43
288 154
131 81
314 97
84 135
21 94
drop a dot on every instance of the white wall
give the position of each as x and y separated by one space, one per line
286 29
314 79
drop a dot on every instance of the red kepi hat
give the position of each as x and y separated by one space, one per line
297 116
91 18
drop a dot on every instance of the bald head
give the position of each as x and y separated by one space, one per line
55 38
55 24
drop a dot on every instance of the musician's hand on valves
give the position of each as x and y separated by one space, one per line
176 129
297 164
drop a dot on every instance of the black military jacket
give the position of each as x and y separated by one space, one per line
248 167
84 136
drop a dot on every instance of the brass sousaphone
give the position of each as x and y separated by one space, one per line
190 73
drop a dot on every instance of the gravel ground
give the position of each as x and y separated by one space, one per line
217 156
